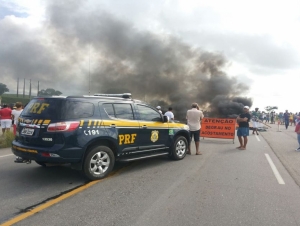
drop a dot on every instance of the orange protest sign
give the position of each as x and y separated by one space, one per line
223 128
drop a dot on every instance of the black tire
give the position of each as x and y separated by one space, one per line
179 148
98 163
43 164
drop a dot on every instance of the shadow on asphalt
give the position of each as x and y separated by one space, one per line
37 175
147 164
216 141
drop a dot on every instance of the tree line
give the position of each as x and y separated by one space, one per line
43 92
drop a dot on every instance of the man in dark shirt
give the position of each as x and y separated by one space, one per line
243 130
286 117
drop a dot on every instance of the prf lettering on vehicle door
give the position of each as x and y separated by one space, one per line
37 108
127 138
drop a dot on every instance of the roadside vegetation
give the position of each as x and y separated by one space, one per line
6 139
12 98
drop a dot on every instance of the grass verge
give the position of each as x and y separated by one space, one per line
6 139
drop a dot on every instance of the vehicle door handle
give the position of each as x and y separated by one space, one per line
144 127
113 125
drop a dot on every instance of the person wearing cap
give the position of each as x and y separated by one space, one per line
159 109
243 130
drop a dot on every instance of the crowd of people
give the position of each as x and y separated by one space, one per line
9 117
284 118
194 117
287 118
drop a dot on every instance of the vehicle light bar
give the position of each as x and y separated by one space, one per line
123 95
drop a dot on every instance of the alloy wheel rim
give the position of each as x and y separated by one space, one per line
180 148
99 163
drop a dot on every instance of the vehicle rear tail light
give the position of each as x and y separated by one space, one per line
63 126
47 154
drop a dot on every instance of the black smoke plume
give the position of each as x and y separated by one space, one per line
160 69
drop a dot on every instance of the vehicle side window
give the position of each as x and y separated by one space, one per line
109 110
123 111
148 114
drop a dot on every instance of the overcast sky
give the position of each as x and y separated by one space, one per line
60 43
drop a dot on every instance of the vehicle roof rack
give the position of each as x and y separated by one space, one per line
123 95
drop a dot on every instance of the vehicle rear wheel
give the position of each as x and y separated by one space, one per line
98 163
41 163
179 148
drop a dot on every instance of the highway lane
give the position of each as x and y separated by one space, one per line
224 186
25 185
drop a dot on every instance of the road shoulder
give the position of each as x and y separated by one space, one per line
283 142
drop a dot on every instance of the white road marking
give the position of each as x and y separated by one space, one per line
257 137
275 171
2 156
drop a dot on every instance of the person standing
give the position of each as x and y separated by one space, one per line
15 115
286 117
272 117
295 118
268 118
255 116
194 117
5 115
170 114
243 130
297 130
291 118
264 117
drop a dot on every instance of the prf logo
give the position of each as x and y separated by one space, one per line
127 138
154 136
38 108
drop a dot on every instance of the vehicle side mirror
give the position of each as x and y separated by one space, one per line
166 118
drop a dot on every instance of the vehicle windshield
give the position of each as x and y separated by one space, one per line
58 109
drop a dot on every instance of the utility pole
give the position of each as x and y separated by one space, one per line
29 88
89 70
24 89
38 90
18 87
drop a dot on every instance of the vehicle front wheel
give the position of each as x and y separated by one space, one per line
179 148
98 163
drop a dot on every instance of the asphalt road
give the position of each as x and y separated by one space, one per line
224 186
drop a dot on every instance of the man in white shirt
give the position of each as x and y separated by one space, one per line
194 117
15 115
170 114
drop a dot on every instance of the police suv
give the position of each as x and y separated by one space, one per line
92 132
